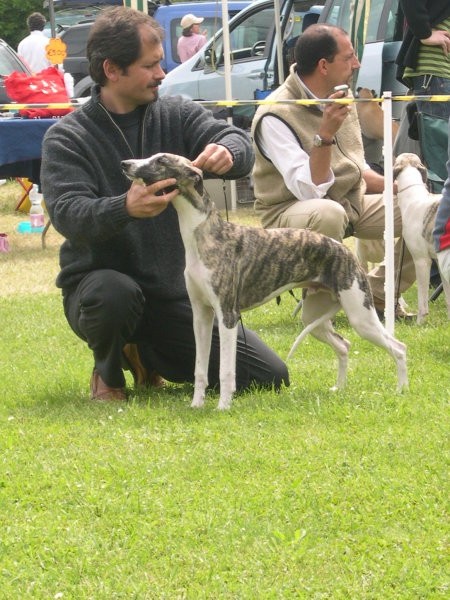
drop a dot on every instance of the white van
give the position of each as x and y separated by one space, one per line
253 53
253 48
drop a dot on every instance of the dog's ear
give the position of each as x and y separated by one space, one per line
196 176
198 184
424 172
397 169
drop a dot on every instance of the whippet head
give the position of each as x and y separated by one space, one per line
165 166
408 159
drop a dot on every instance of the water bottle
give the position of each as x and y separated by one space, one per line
69 83
37 218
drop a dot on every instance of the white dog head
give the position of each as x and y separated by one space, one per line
408 159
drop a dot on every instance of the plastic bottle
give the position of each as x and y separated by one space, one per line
37 218
69 83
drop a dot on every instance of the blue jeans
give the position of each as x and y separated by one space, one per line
431 85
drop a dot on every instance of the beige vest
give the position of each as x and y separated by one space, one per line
347 155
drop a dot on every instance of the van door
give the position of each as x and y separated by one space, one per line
296 16
250 40
254 49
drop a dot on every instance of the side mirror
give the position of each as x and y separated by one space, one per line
212 59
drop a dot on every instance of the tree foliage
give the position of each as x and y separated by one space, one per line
13 18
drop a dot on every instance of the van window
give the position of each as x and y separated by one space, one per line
247 40
342 12
211 24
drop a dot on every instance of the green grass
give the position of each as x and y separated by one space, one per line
301 494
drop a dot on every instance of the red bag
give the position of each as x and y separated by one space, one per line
44 87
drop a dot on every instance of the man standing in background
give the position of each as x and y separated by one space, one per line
424 56
32 49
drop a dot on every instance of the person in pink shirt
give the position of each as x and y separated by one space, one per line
191 40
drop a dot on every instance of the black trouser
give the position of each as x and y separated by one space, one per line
108 310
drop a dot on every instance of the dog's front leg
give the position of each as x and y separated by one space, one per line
203 317
446 285
228 346
422 266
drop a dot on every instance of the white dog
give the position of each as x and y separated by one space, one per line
230 268
418 208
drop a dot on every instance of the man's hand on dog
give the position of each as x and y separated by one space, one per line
214 159
149 200
145 201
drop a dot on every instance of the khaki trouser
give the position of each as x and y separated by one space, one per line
328 217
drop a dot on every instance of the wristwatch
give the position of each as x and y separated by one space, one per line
318 141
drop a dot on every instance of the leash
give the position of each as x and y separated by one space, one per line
410 186
224 189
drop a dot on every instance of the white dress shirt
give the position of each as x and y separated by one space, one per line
280 145
32 51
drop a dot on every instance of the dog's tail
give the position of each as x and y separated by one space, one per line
326 317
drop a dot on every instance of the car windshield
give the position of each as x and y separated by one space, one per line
72 16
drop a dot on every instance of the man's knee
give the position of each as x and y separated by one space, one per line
332 221
111 289
112 298
328 218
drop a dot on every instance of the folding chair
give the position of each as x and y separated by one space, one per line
24 203
433 142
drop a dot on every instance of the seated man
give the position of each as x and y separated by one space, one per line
310 170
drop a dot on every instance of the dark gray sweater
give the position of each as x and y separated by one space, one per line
85 190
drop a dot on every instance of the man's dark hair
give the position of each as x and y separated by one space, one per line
36 21
317 42
115 35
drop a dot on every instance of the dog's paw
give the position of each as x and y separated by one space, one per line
224 403
198 402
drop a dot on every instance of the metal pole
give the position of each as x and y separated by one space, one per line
278 41
228 90
389 268
51 12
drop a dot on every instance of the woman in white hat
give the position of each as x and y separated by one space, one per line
191 40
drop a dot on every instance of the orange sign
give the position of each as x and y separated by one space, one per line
56 51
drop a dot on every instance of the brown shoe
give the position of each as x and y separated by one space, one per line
400 314
102 392
403 315
142 377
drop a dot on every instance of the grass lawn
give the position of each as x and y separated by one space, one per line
302 494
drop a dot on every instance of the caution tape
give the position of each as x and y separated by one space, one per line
311 101
231 103
19 106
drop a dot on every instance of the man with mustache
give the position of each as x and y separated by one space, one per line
122 261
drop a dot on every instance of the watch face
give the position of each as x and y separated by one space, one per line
318 141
